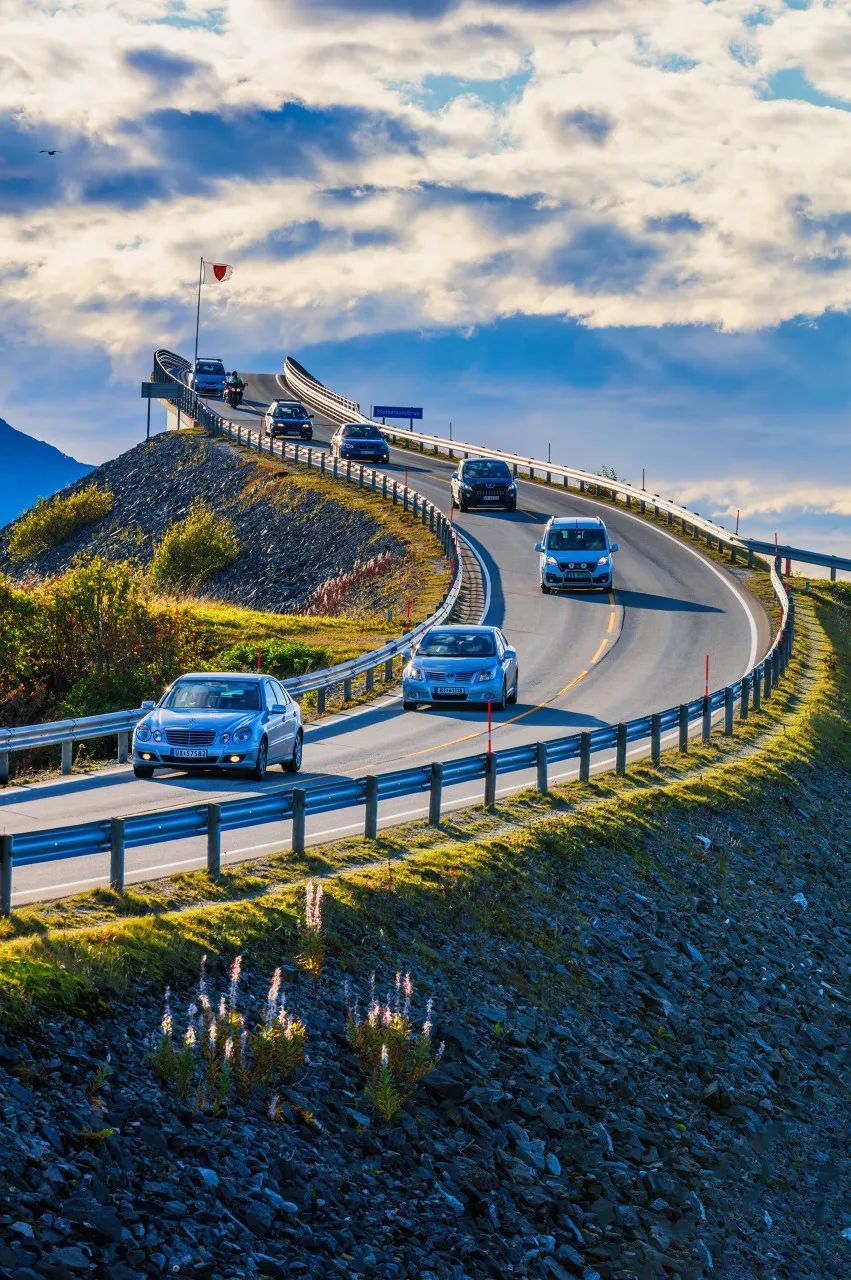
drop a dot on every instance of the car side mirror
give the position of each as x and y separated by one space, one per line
509 653
148 705
613 547
279 709
539 547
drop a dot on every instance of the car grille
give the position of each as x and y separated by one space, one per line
189 737
448 677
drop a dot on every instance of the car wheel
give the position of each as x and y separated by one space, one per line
258 773
545 589
143 771
498 704
294 763
512 697
513 507
409 705
462 506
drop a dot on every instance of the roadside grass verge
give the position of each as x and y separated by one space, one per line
780 787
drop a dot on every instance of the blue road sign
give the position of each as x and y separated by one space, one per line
396 411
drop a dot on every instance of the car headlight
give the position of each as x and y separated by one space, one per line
416 673
224 737
468 488
603 560
512 488
143 732
552 560
242 735
157 735
489 674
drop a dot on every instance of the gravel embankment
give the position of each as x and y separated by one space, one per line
645 1076
287 548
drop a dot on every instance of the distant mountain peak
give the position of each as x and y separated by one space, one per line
31 469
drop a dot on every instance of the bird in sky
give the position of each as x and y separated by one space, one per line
46 152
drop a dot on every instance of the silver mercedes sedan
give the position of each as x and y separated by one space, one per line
230 720
461 665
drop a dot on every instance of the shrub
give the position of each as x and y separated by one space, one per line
192 550
282 658
52 520
392 1054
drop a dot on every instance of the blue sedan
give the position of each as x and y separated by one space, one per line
232 721
461 665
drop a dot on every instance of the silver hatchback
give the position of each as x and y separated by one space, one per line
233 721
461 665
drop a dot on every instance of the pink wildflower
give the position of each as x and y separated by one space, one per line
234 972
190 1038
228 1048
408 989
272 998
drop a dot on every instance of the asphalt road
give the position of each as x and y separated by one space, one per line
585 660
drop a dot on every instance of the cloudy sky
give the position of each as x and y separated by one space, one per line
620 229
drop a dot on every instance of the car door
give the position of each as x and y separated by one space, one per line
509 664
275 723
290 720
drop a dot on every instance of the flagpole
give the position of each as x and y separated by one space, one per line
198 308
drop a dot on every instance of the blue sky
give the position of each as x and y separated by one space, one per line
621 231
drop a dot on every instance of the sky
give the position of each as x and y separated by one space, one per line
619 231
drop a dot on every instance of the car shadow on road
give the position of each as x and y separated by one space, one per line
525 714
671 604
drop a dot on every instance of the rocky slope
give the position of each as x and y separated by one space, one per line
32 469
291 540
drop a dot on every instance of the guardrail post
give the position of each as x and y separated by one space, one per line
370 824
116 855
297 454
372 481
321 695
6 875
734 553
360 476
369 681
490 780
541 767
405 498
347 689
833 573
766 692
431 518
348 472
656 739
585 756
384 483
670 517
745 698
750 557
298 832
123 746
683 727
415 507
335 467
4 768
395 492
729 704
620 750
706 722
435 793
322 463
67 756
757 688
214 841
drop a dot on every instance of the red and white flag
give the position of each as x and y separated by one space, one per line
217 271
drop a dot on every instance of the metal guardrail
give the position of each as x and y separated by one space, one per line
340 409
168 365
116 835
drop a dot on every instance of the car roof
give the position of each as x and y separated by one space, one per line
225 675
281 400
209 360
462 626
576 522
361 424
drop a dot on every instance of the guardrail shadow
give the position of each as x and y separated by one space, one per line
496 608
668 604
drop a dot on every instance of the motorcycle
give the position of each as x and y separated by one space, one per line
233 395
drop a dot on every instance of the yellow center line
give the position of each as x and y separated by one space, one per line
611 625
598 655
502 724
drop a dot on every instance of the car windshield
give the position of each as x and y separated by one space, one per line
289 411
457 644
486 469
213 695
358 431
209 366
576 540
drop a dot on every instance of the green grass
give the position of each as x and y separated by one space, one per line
498 869
53 520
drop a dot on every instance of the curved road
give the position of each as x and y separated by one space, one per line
585 659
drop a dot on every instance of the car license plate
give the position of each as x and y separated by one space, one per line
490 497
449 690
189 753
576 575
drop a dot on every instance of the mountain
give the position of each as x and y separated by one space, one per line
31 469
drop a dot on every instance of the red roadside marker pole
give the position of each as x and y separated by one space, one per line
259 656
706 691
490 729
408 608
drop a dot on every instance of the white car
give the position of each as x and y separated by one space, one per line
575 552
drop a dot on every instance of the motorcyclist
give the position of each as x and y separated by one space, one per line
234 387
